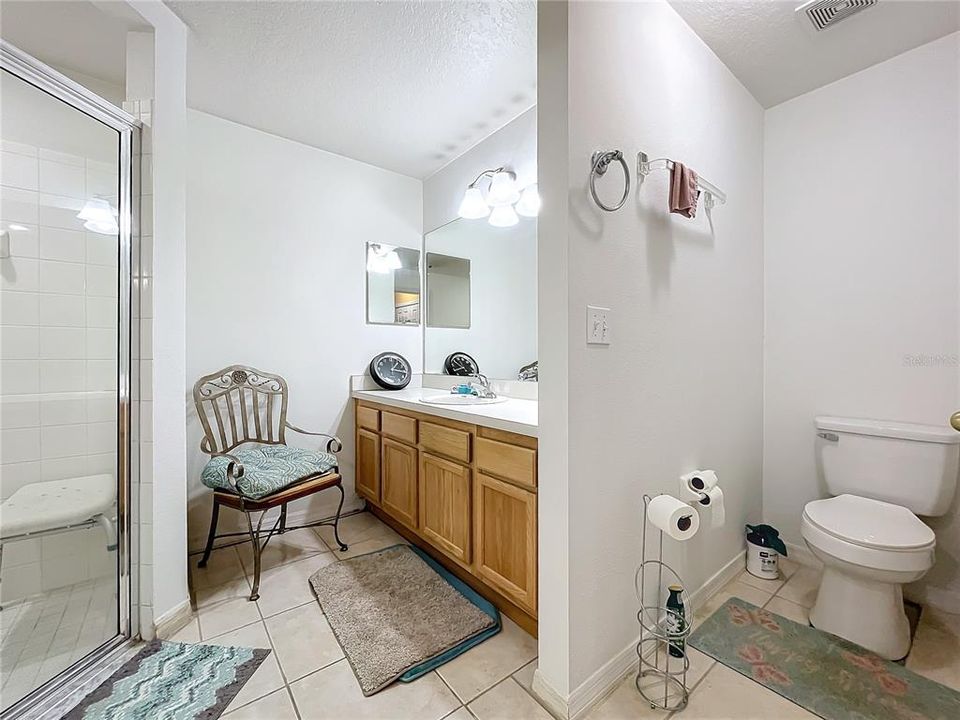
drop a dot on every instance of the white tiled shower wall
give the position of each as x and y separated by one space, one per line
142 354
58 329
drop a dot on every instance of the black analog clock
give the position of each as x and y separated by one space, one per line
459 363
390 370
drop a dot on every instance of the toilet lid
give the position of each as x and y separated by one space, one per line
870 523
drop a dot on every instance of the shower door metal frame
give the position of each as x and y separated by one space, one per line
30 70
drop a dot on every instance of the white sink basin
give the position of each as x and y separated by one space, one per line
452 399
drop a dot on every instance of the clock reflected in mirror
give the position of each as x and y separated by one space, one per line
459 363
391 371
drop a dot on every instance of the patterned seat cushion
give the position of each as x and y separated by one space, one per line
267 468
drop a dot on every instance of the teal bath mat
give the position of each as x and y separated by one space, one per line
821 673
172 681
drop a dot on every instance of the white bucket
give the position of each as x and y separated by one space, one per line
762 561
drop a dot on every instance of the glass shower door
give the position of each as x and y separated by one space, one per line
64 291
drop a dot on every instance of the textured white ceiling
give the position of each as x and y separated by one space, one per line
403 85
70 35
777 56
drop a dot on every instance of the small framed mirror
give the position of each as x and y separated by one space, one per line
393 285
448 291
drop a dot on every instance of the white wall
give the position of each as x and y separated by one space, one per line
58 328
502 336
513 146
276 263
163 471
680 385
861 271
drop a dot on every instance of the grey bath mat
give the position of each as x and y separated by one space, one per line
393 611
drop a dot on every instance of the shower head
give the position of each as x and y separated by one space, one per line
827 13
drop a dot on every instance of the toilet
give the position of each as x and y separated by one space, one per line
868 536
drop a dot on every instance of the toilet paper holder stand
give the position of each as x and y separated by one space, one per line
661 677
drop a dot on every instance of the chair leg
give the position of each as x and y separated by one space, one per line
283 520
1 566
255 540
336 521
213 533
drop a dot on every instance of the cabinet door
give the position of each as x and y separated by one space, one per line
399 491
367 482
505 527
445 505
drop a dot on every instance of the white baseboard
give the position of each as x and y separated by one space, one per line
235 521
603 682
801 554
606 679
549 698
172 621
724 575
937 598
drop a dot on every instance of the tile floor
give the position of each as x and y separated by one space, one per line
45 634
307 676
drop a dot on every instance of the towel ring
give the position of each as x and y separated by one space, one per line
598 167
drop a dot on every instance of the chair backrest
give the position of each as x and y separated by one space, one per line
240 404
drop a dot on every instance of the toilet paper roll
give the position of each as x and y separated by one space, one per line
675 518
714 501
701 480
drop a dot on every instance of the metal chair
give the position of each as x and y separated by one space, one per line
243 412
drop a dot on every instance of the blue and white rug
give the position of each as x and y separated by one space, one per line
172 681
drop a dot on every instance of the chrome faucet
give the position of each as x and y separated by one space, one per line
481 386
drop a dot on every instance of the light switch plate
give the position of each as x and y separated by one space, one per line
598 325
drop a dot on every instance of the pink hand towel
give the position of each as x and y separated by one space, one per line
684 193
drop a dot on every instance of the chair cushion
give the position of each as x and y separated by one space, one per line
267 468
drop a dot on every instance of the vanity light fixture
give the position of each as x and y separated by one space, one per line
99 216
529 203
503 199
504 216
383 259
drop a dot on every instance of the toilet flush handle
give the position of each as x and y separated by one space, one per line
955 421
832 437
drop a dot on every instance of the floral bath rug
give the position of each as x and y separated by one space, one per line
822 673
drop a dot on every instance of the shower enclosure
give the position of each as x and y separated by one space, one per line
68 250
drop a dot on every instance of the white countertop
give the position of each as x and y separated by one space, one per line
512 415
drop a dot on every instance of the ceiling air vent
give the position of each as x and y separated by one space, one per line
827 13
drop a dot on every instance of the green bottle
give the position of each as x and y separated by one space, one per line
676 620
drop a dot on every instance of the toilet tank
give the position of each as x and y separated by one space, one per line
902 463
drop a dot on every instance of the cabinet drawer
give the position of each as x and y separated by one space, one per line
510 462
400 427
368 418
454 444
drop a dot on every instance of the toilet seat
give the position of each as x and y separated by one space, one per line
870 523
869 533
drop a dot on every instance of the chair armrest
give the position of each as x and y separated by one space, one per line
333 442
234 466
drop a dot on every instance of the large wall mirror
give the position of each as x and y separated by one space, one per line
393 285
481 296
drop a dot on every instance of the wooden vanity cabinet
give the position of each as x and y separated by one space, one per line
398 489
368 465
464 493
446 502
506 539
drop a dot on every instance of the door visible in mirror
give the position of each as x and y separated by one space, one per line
393 285
448 291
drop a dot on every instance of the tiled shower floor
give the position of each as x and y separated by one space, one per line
42 635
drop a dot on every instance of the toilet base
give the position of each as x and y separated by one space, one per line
863 611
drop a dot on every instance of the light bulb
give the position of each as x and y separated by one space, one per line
529 203
503 216
473 206
503 189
